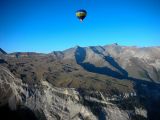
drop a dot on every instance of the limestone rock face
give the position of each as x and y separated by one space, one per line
52 103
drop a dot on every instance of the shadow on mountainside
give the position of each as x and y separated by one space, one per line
19 114
80 56
112 62
147 92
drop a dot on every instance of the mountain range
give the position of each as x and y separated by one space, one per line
109 82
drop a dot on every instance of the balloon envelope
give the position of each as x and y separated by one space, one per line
81 14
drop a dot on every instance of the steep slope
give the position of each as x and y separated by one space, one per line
46 102
2 51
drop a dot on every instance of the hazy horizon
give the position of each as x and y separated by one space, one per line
80 46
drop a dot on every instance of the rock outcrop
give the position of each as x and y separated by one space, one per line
51 103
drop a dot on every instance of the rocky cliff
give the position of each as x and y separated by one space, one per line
47 102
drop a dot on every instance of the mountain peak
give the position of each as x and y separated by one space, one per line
115 44
77 46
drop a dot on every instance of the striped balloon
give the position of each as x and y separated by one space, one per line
81 14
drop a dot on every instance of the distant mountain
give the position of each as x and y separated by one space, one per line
141 63
128 78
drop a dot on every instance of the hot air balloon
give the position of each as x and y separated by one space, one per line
81 14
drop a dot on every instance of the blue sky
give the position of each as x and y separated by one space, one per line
51 25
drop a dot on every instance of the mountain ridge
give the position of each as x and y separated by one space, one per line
115 57
118 75
114 44
2 51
